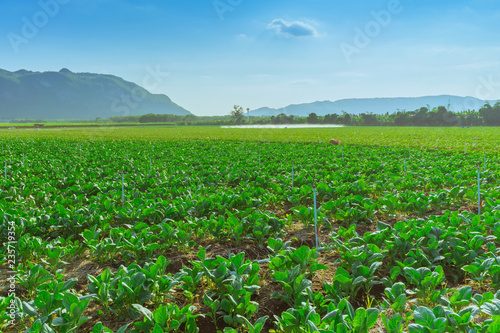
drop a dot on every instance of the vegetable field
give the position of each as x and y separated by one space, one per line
157 231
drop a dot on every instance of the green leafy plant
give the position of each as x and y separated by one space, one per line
257 327
235 281
35 277
396 298
479 270
295 286
394 324
428 321
426 282
72 318
167 318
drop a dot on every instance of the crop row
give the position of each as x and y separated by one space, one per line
426 263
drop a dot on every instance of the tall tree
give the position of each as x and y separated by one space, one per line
491 114
237 114
312 118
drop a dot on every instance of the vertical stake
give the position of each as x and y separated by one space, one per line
6 171
292 173
123 191
150 168
404 165
315 216
478 190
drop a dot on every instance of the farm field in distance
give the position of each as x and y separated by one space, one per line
450 138
200 229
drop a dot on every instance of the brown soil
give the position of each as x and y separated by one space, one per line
296 233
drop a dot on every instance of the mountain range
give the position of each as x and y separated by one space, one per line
67 95
374 105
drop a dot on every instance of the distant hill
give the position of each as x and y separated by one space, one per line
67 95
374 105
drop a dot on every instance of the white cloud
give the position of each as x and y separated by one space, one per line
292 29
242 38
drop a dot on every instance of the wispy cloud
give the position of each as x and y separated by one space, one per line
480 65
242 38
292 29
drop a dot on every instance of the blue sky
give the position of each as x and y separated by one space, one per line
209 55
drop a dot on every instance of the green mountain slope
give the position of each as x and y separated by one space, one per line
67 95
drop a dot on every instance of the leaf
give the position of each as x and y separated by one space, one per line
42 299
97 328
342 276
68 284
88 235
157 329
464 293
133 313
412 273
494 326
83 320
316 267
106 275
123 328
138 278
161 316
417 328
46 329
311 326
360 317
81 306
29 310
492 309
252 288
60 322
424 316
472 269
69 299
37 326
300 255
147 314
144 296
440 324
372 315
259 324
359 280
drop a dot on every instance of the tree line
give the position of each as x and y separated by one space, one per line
488 115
